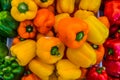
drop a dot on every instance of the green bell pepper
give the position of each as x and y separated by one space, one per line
5 5
8 25
10 69
3 50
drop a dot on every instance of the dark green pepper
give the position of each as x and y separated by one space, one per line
3 50
10 69
8 25
5 5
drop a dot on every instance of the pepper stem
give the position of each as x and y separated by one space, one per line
43 1
79 36
29 28
110 51
95 46
100 70
22 7
118 31
54 51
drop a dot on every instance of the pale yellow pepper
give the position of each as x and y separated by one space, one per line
67 70
65 6
24 51
42 70
83 56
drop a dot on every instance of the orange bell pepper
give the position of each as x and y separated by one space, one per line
26 29
72 32
44 20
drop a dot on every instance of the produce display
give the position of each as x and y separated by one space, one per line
60 40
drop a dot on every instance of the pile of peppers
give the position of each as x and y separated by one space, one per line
111 59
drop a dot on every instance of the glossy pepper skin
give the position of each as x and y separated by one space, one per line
83 56
10 69
5 5
44 3
50 49
44 20
98 32
41 69
112 49
112 67
96 73
67 70
90 5
72 31
23 10
8 25
24 51
112 11
65 6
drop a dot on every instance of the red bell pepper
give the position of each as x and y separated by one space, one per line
113 78
96 73
113 29
117 34
112 49
112 67
112 11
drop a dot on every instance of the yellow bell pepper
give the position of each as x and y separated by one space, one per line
90 5
67 70
58 18
24 51
50 49
98 32
84 56
44 3
65 6
42 70
23 9
83 14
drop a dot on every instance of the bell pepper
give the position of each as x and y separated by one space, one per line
23 9
8 25
5 5
112 67
90 5
97 73
30 76
44 3
112 11
83 56
98 32
41 69
17 39
3 50
44 20
72 31
58 17
113 78
10 69
65 6
99 50
83 14
67 70
24 51
26 29
113 29
112 49
50 49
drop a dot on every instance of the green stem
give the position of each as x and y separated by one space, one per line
95 46
100 70
55 51
22 7
29 28
79 36
118 31
43 1
110 51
